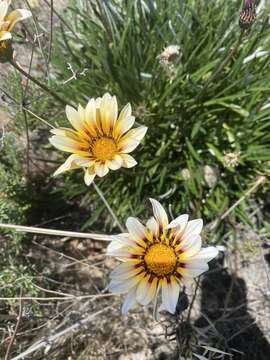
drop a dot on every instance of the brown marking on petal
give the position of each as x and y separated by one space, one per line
180 251
83 147
140 245
138 265
133 256
87 132
179 276
182 265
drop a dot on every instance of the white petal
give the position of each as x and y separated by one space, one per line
122 268
124 239
137 133
65 144
142 289
81 112
67 132
132 139
108 112
128 161
75 119
90 117
180 221
3 9
130 301
83 161
136 229
69 164
119 242
89 176
194 227
206 254
159 213
118 287
124 122
153 226
127 274
128 145
98 102
101 169
114 245
118 250
191 273
5 35
170 294
116 163
147 290
190 247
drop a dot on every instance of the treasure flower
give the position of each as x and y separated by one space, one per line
100 140
158 256
7 22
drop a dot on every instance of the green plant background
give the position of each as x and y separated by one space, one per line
190 124
193 118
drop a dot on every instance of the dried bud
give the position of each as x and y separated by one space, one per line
231 160
6 51
248 15
169 54
211 175
185 173
166 58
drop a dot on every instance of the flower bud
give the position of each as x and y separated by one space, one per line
6 52
247 15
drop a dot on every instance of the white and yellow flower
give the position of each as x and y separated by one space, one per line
158 256
101 140
7 22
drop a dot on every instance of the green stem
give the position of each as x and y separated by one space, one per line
100 194
41 85
221 66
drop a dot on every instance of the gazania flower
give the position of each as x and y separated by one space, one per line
101 140
158 256
7 22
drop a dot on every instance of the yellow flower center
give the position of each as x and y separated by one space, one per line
160 259
104 149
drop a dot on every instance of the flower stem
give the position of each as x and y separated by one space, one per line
100 194
41 85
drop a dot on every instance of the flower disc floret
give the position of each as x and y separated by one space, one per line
160 259
104 149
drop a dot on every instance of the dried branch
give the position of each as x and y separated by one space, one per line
16 328
37 230
52 338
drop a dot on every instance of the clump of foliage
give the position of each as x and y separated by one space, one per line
14 202
212 101
14 208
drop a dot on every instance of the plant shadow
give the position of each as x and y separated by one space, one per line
225 321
